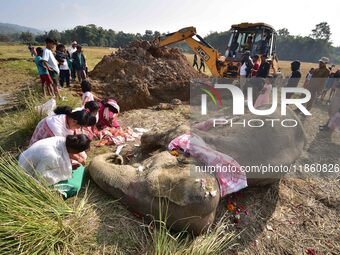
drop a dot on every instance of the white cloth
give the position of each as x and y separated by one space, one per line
226 54
58 125
243 69
47 108
50 59
106 113
64 66
49 158
71 51
89 96
309 76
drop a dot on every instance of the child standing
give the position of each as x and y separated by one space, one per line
263 98
46 81
87 94
52 64
62 59
79 63
308 78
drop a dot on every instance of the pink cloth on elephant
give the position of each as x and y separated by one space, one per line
229 181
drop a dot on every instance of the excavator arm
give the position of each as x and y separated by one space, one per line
200 47
180 35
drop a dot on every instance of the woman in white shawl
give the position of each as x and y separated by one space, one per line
50 157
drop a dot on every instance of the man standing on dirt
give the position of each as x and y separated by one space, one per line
317 82
195 64
51 63
70 51
295 76
202 65
79 63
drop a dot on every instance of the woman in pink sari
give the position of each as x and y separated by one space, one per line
107 114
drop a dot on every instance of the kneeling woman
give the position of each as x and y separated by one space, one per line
108 112
64 122
50 157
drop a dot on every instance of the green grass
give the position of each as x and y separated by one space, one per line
218 240
33 218
17 127
14 51
27 67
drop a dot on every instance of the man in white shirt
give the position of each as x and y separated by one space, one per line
72 50
52 63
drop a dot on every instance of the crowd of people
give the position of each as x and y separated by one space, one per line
58 69
322 82
59 142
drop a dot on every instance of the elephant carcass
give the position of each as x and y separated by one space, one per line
161 187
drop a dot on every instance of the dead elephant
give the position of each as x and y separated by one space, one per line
162 184
162 188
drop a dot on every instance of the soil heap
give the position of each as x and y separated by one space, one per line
141 75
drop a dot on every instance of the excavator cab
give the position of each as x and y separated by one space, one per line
257 39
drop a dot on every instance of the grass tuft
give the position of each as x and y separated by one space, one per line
217 240
33 218
17 127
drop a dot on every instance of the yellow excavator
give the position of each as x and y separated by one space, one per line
253 38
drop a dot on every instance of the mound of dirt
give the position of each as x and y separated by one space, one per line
141 75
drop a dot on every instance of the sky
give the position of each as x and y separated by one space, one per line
299 16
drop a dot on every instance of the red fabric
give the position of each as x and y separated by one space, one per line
255 68
102 122
45 79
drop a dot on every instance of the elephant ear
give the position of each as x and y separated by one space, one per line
177 182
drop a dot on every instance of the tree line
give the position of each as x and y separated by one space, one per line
90 35
289 47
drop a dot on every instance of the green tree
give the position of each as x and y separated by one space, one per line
27 37
4 38
54 34
283 32
41 38
322 31
219 40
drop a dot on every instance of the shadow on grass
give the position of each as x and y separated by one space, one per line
257 206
